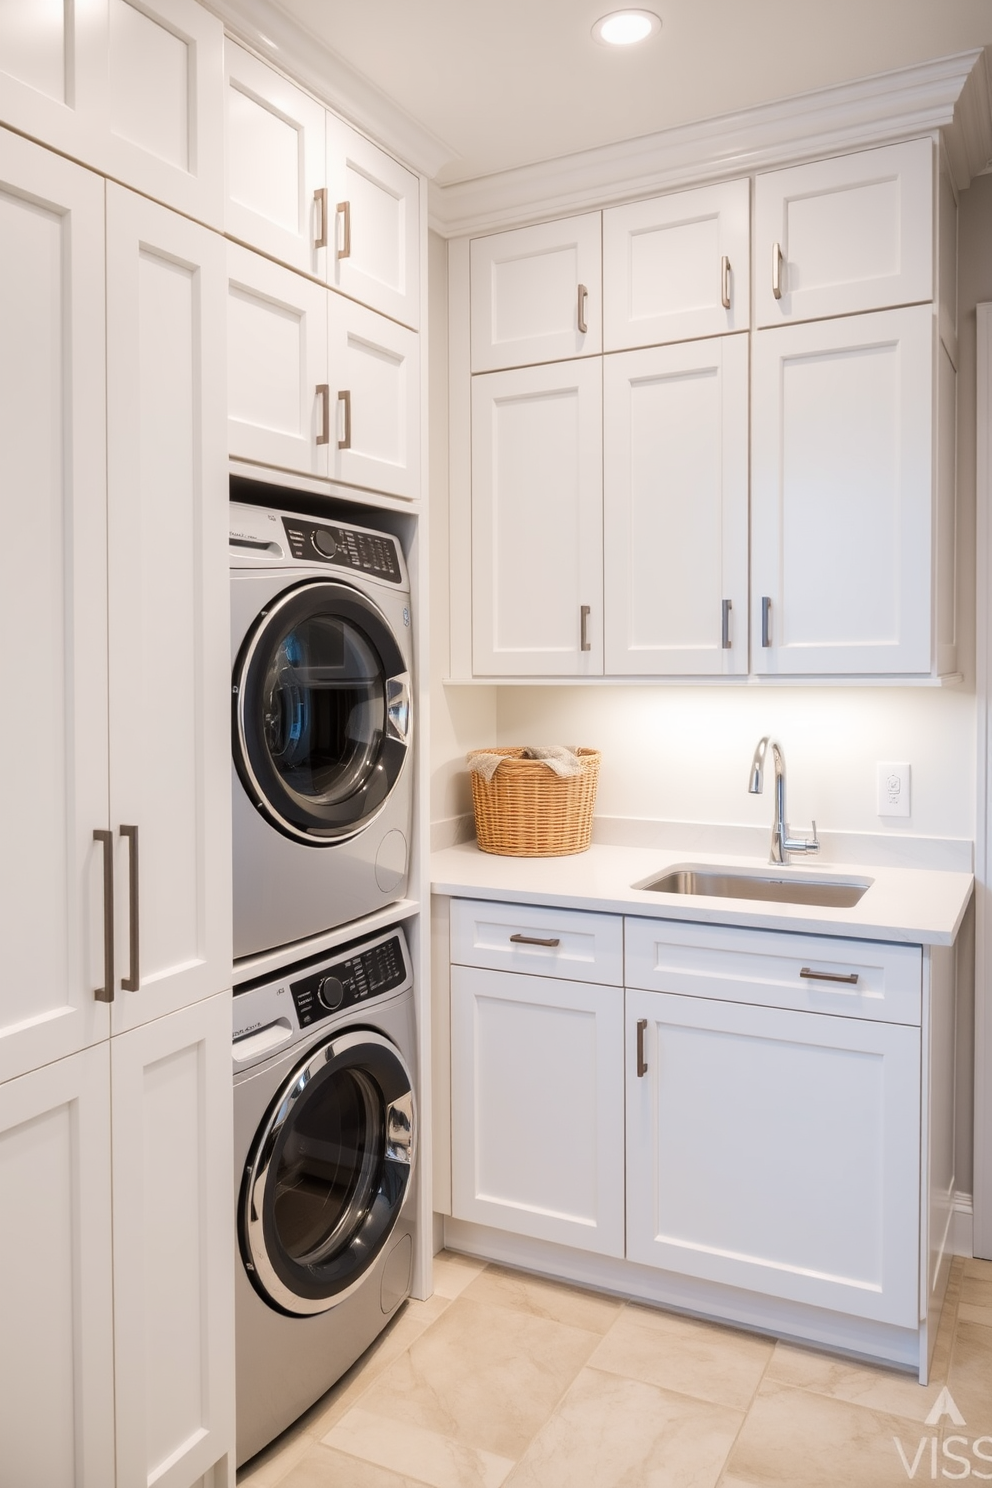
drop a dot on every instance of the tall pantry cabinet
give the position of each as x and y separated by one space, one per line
116 1303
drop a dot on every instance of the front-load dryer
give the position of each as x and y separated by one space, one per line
325 1144
322 724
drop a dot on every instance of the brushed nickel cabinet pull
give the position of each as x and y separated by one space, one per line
324 394
851 978
132 981
583 296
766 620
320 201
345 209
535 940
584 642
642 1064
345 397
725 282
106 992
725 628
777 270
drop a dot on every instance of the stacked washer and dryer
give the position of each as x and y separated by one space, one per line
324 1045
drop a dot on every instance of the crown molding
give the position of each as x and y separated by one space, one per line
953 94
280 40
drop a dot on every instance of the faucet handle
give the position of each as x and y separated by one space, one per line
813 842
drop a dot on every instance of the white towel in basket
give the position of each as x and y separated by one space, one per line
560 758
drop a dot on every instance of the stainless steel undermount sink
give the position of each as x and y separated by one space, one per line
724 883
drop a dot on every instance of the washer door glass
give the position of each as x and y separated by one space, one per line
321 712
328 1174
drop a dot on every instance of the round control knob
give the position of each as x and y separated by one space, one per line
324 543
330 993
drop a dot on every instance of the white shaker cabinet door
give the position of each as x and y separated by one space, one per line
169 621
374 371
276 199
373 225
53 607
675 509
52 56
56 1276
174 1247
537 535
677 267
776 1151
536 294
842 496
537 1107
839 236
279 399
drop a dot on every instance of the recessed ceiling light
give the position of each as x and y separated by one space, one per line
624 27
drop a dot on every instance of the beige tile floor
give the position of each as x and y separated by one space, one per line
505 1379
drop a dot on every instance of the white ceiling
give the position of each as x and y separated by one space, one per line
508 82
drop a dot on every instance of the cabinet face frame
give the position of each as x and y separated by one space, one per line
785 548
169 614
714 295
503 459
901 177
54 455
534 1011
537 272
706 435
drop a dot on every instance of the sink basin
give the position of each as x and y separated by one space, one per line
724 883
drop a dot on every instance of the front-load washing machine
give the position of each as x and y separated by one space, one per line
325 1146
322 725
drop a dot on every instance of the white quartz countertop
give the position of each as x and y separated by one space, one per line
913 905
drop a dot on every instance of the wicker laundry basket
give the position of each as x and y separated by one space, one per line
527 811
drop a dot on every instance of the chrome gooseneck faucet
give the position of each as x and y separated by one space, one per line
782 843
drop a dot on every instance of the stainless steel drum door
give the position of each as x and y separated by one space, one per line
328 1172
321 712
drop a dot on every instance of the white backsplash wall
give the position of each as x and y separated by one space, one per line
683 753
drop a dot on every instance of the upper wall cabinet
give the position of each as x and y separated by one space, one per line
133 90
677 267
844 235
275 163
536 294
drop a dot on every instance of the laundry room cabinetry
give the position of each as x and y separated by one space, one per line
317 383
310 191
134 91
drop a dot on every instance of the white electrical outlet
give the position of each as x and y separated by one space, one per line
893 789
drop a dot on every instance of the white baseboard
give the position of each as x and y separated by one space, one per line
962 1232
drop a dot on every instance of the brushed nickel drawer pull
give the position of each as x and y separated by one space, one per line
725 282
766 620
324 394
320 202
777 261
583 296
584 642
642 1064
725 628
106 839
132 982
535 940
345 397
344 208
851 977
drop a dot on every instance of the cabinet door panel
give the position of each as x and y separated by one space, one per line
275 163
56 1302
775 1151
855 233
675 509
664 276
526 286
374 232
53 748
276 362
170 646
841 495
52 53
537 1107
174 1245
375 432
537 520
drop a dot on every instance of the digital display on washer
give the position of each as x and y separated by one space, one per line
344 984
371 552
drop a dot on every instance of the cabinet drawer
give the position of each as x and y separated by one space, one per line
581 947
873 980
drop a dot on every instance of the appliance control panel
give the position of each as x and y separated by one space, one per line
366 973
372 553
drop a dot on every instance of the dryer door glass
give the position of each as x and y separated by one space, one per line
316 740
328 1173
